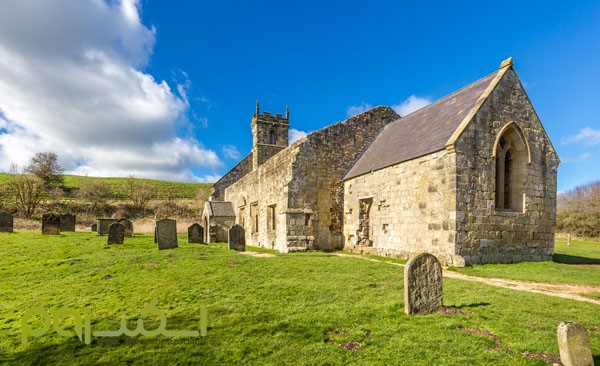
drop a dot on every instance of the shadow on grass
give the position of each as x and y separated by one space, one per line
474 305
572 259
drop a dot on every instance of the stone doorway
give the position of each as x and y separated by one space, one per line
363 233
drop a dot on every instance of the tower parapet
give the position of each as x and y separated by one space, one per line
269 134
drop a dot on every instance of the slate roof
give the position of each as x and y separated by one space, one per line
221 208
422 132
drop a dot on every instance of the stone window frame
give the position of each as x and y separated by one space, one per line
242 216
271 217
254 214
272 137
499 155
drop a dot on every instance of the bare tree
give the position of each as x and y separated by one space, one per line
96 193
201 198
45 166
140 193
27 190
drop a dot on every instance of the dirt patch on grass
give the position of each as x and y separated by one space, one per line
259 254
449 310
548 357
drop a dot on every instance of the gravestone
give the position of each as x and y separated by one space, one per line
422 284
128 224
166 234
103 225
116 233
94 227
50 224
6 222
574 345
237 238
196 234
67 222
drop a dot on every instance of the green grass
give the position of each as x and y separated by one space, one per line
292 309
561 270
119 185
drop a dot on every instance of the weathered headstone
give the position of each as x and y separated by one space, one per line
166 234
574 345
94 227
50 224
116 233
67 222
103 225
422 284
196 234
237 238
6 222
128 227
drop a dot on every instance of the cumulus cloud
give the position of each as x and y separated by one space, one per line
353 110
295 135
231 152
72 82
586 135
411 104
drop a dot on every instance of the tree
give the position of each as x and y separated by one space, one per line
201 198
96 192
140 193
27 190
45 166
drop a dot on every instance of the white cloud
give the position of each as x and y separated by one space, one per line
411 104
353 110
578 159
71 83
208 178
231 152
295 135
586 135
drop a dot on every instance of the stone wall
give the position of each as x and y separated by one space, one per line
484 233
412 209
236 173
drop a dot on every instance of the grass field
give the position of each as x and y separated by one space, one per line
569 266
303 308
119 185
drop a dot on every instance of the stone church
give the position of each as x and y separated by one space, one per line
470 178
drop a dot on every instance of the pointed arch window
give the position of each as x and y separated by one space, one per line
512 162
272 137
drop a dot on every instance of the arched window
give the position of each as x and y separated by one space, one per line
272 137
512 157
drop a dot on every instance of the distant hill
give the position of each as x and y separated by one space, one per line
119 186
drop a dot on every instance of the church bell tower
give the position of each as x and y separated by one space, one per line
269 135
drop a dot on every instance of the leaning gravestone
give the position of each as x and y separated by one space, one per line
94 227
50 224
116 233
422 284
237 238
67 222
574 345
166 234
6 222
196 234
103 225
128 224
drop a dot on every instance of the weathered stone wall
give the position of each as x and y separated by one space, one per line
412 211
304 183
484 233
218 227
236 173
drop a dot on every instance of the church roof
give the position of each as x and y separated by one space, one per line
221 208
426 130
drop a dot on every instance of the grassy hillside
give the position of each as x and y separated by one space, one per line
119 186
290 309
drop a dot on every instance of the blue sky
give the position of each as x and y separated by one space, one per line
166 89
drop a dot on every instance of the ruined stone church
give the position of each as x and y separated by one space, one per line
470 178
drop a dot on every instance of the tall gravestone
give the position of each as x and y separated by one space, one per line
116 233
166 234
94 227
574 345
423 285
128 224
67 222
6 222
196 234
237 238
50 224
103 225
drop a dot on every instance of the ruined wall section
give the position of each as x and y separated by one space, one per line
484 233
236 173
412 209
316 188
